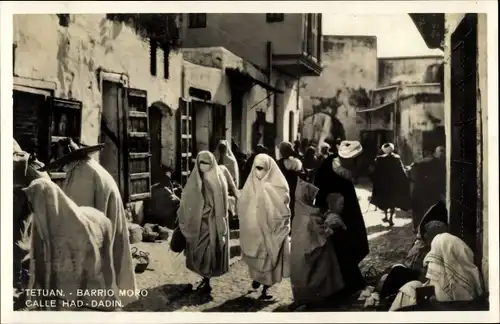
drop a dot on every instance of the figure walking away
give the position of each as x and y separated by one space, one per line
391 186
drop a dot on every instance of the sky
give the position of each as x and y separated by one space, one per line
396 34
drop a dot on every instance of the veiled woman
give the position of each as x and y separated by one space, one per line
203 220
265 224
224 156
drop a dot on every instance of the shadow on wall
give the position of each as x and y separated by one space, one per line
322 122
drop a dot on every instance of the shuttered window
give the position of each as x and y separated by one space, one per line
65 122
137 163
185 134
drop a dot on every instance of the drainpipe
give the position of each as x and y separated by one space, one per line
269 76
298 109
394 125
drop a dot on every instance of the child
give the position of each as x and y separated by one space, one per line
335 205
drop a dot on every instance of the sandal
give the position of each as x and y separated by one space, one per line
204 286
255 285
143 260
264 295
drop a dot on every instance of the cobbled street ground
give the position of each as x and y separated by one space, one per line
168 282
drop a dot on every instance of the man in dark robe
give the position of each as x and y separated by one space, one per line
291 167
351 245
391 186
429 184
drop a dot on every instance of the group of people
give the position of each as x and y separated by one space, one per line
299 217
437 259
312 232
72 237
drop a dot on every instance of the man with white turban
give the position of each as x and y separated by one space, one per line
351 244
391 186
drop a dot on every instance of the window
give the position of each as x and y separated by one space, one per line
312 35
64 20
137 163
153 48
197 20
291 126
275 17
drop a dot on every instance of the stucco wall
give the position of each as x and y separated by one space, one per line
70 57
246 35
417 118
482 96
350 65
205 67
408 70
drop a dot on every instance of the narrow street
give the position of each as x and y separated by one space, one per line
168 281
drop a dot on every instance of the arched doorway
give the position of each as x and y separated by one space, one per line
158 113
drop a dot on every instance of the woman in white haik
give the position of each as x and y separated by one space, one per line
203 220
265 224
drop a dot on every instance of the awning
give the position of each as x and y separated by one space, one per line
235 73
376 107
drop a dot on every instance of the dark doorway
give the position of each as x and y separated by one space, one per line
371 141
237 114
433 139
466 220
155 119
30 117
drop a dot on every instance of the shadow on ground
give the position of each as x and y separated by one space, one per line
168 298
241 304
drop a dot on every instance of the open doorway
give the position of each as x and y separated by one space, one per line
155 121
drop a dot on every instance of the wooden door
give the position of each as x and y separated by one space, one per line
185 144
137 164
218 125
155 119
111 131
466 217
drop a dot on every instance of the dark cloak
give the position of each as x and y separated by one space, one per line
429 186
292 177
350 245
391 186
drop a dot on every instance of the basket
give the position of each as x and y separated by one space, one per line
178 242
142 258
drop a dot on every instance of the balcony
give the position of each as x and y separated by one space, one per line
308 61
298 65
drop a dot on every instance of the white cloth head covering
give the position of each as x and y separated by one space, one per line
293 164
228 160
192 200
71 244
451 269
350 149
387 148
264 212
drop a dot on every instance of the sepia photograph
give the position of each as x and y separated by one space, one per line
249 162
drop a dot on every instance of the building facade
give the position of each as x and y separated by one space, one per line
349 74
466 115
281 48
96 80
